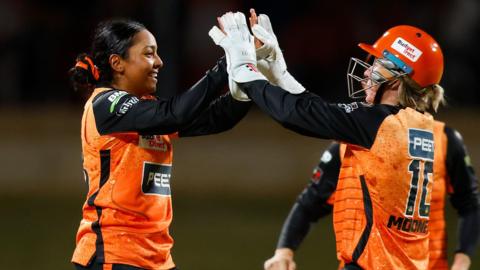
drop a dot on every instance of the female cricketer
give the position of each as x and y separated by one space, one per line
127 151
452 175
386 173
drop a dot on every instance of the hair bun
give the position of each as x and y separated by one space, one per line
85 62
84 74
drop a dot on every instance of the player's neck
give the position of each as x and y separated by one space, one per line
390 97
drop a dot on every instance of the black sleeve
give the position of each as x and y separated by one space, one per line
464 197
468 232
308 114
312 203
118 111
223 114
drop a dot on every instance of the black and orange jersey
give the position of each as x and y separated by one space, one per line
382 200
127 160
452 171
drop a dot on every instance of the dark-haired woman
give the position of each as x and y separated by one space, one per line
126 144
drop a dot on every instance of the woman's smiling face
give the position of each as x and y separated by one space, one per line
142 64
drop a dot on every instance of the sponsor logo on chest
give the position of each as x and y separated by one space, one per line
156 179
420 144
153 142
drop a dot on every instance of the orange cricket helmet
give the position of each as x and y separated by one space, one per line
412 50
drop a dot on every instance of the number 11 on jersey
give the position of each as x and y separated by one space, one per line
415 167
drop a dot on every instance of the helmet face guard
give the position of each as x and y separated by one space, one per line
362 76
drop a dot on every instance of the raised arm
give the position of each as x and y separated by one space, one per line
118 111
310 115
304 113
223 114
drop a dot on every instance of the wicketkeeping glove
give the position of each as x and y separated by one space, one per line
270 59
239 51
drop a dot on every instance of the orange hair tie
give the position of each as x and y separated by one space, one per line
93 68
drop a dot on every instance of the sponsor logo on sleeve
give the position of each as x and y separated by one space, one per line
326 157
420 144
348 107
156 179
114 98
127 105
406 49
317 174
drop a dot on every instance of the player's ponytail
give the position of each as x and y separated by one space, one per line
111 37
422 99
85 74
436 96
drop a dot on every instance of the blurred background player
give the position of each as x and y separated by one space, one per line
127 151
453 175
387 142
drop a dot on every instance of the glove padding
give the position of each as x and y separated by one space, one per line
239 51
270 59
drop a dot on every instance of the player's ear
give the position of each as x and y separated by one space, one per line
116 63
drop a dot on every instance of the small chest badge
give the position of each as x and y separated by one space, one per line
153 142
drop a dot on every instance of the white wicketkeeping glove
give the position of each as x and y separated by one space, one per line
270 59
239 51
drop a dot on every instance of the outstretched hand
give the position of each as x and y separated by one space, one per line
233 35
270 59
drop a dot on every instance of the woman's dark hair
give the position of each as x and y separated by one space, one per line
111 37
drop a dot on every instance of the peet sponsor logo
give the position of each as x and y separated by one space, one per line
406 49
420 144
156 178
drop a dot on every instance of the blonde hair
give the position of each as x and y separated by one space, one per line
422 99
